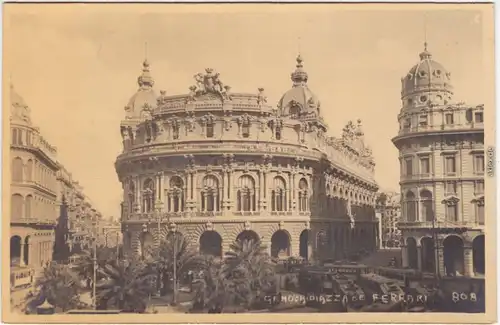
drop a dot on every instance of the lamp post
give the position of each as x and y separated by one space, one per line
174 296
159 220
94 279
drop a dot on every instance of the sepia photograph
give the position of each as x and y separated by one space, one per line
249 163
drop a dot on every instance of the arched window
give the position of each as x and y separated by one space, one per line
303 195
246 193
278 195
451 206
210 194
17 170
17 203
131 196
411 210
148 195
27 210
426 203
29 170
176 195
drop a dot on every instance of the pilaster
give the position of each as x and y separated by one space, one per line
468 261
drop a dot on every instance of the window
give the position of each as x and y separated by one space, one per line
423 120
478 117
409 167
450 188
29 136
423 99
210 200
278 133
278 195
410 207
14 136
245 130
450 165
479 187
17 170
451 211
427 210
246 194
449 118
176 195
407 123
479 164
303 196
210 130
425 168
175 132
480 212
148 196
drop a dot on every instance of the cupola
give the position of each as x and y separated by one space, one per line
299 100
145 99
427 83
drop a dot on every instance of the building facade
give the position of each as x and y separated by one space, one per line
389 207
441 151
38 184
216 165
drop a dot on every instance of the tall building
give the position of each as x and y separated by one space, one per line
39 186
441 151
389 207
216 165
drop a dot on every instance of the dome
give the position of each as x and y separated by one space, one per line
427 82
145 99
300 99
19 111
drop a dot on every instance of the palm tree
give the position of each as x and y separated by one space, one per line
249 259
59 286
85 265
218 288
186 258
125 285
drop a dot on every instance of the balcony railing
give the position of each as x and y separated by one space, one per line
440 127
34 221
437 224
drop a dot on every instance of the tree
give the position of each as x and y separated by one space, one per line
59 286
186 258
85 264
61 247
125 285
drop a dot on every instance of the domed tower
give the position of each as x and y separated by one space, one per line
441 153
215 165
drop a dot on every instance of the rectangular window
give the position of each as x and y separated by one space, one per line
245 130
478 117
175 131
449 118
480 214
450 165
210 130
451 188
409 167
451 212
425 167
423 120
479 164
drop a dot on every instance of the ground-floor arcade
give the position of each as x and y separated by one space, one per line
455 254
30 246
283 239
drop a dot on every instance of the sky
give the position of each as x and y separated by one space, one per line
76 66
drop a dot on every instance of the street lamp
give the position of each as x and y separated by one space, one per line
174 296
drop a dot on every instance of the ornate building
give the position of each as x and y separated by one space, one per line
38 184
216 165
389 207
441 150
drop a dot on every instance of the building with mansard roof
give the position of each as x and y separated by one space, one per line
42 191
441 151
216 165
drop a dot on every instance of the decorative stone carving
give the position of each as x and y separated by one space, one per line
209 226
189 122
262 99
281 225
192 95
308 225
210 83
161 100
228 122
451 201
248 225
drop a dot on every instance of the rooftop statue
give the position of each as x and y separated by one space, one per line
210 83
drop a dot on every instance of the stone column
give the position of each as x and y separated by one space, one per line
419 257
404 256
223 191
138 189
21 255
440 259
468 261
295 246
294 191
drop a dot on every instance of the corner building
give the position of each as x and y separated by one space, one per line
216 165
441 151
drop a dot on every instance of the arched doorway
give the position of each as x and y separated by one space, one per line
280 244
304 244
15 250
428 255
411 249
247 235
453 255
211 243
146 244
26 248
478 254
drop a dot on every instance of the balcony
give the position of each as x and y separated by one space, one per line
438 128
437 224
33 222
